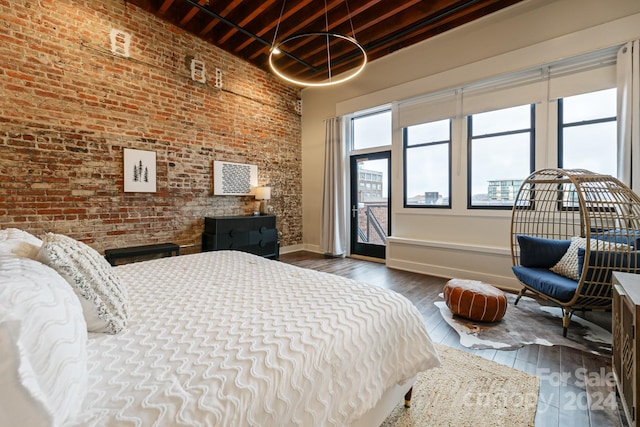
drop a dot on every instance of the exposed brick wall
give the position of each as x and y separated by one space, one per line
69 107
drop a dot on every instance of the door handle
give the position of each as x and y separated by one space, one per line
354 211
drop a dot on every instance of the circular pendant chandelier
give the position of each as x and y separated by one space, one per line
330 58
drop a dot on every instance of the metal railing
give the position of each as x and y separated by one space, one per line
372 223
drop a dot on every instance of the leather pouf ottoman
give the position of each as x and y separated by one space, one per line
475 300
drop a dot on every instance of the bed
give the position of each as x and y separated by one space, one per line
212 339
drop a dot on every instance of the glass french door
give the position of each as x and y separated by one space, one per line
370 203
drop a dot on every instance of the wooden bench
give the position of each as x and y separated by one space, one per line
160 248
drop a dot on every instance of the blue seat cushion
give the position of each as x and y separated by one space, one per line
539 252
602 264
547 282
618 235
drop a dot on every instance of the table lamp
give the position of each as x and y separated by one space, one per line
264 195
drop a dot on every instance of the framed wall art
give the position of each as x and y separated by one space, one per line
139 171
234 179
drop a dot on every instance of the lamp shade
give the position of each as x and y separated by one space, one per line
263 193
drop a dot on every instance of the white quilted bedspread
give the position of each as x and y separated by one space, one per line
231 339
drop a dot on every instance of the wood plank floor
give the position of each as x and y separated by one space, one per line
586 398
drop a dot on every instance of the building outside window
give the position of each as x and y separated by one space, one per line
373 190
504 189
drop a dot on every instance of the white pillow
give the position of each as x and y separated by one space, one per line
568 264
102 295
19 243
43 346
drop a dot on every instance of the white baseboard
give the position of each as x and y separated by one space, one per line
291 248
456 269
509 284
300 247
488 264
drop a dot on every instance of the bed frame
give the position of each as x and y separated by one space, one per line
387 403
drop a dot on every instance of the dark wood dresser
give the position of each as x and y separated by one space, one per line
625 322
254 234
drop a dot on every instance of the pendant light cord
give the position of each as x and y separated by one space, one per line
326 26
353 31
275 35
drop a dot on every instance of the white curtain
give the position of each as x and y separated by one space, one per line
333 233
628 76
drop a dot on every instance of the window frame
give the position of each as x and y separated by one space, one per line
470 138
352 130
405 147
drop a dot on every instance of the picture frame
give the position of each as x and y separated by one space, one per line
139 171
234 179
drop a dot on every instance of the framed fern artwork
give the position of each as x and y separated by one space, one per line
139 171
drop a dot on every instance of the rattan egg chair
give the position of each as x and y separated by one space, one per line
553 209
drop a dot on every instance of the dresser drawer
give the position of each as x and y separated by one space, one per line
254 234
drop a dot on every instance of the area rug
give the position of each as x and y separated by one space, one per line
529 323
468 390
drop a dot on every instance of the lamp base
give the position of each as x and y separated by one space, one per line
264 207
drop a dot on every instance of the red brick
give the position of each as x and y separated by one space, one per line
70 111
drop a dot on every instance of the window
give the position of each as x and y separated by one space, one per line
501 155
371 130
427 171
587 132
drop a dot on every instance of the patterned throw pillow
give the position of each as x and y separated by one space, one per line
568 264
102 295
43 346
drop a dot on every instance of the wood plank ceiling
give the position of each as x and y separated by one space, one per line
246 28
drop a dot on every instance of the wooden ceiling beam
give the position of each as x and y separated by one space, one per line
424 32
381 27
318 54
228 9
256 12
194 10
299 5
366 23
371 21
302 24
165 6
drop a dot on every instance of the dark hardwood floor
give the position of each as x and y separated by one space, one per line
588 398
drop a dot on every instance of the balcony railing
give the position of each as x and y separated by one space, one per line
373 231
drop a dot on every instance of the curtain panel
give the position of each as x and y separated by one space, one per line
628 77
333 231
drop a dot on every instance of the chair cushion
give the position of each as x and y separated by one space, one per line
547 282
619 235
568 265
539 252
602 264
